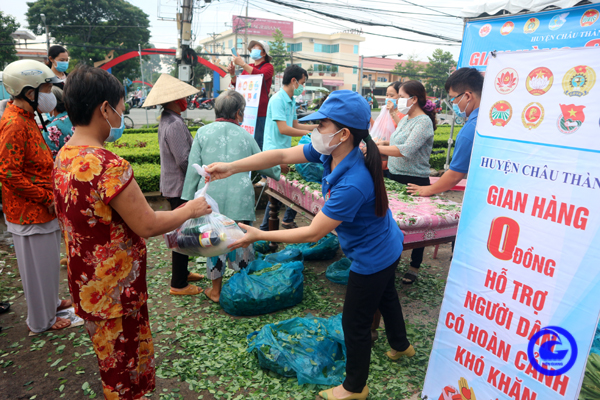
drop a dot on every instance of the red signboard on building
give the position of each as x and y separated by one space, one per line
263 26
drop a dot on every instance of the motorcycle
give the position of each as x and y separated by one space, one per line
207 104
200 103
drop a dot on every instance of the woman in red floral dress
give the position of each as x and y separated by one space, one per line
103 216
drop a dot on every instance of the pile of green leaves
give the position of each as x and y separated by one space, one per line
590 389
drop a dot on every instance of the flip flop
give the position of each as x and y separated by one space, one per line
289 225
409 352
64 304
194 277
208 297
328 395
189 290
62 321
4 307
409 278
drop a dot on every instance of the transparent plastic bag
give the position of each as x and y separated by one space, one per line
206 236
383 127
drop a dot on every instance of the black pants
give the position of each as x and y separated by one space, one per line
364 295
179 267
416 256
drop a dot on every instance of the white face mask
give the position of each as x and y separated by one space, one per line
46 102
402 105
321 141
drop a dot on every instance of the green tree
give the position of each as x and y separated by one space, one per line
410 69
8 25
89 29
440 64
278 48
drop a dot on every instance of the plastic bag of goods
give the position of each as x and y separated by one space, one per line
383 127
312 349
262 246
324 249
339 271
284 256
311 172
263 287
208 235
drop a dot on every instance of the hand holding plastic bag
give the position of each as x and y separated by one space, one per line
208 235
383 127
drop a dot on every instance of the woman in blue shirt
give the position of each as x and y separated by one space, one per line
60 129
356 207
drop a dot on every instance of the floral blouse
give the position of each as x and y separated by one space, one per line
59 132
106 259
414 138
25 169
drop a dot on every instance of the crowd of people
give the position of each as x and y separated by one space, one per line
59 181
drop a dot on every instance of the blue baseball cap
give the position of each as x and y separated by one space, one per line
345 107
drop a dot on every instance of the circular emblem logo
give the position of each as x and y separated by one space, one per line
533 115
539 81
500 113
571 119
485 30
531 25
507 28
589 17
506 81
557 351
578 81
557 21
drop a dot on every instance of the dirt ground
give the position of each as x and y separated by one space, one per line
62 364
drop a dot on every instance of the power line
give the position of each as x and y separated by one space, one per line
430 9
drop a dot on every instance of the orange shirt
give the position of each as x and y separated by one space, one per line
25 169
400 115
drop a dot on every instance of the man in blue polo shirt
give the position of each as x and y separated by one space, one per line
464 87
281 124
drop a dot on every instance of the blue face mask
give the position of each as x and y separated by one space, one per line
255 54
457 111
299 90
115 133
62 66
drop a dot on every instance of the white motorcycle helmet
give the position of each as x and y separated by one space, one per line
22 75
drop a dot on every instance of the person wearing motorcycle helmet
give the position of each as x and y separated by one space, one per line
175 143
27 199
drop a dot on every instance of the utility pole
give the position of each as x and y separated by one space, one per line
291 57
184 25
47 34
246 29
360 76
143 82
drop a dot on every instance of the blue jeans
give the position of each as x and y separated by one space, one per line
288 217
259 131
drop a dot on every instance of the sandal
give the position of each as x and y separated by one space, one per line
289 225
4 307
63 261
190 290
409 278
64 304
395 355
206 293
61 323
328 395
194 277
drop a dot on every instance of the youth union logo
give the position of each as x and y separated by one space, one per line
539 81
571 119
533 115
589 17
557 21
507 28
500 113
578 81
506 81
531 25
556 348
485 30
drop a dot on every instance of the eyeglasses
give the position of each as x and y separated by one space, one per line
452 99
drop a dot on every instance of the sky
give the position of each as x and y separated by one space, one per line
431 16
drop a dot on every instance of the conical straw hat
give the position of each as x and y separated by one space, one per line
168 88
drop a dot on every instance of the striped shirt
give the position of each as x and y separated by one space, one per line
175 142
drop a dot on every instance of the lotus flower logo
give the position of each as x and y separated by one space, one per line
539 81
506 81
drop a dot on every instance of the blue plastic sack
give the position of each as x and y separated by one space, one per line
284 256
324 249
311 172
339 271
262 288
262 246
312 349
596 343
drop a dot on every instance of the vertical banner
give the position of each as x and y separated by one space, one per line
250 86
521 304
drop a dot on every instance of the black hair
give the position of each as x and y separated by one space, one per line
416 89
465 80
86 88
396 85
293 71
53 52
373 163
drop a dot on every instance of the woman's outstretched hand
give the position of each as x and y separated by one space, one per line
252 235
219 170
